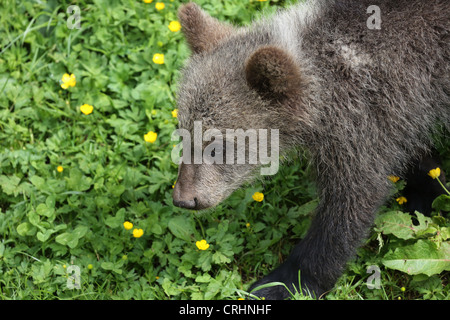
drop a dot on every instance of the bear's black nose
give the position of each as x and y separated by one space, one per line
187 204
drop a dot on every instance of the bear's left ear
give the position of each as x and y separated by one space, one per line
202 31
273 73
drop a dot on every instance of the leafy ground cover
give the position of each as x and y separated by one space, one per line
86 174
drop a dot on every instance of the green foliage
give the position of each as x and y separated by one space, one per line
428 254
51 220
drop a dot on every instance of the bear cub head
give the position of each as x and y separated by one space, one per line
238 84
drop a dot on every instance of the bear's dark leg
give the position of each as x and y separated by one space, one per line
342 222
421 189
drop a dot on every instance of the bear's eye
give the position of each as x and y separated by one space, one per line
216 151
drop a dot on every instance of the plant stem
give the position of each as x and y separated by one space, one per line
442 185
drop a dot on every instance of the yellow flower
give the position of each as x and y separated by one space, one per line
394 179
403 289
175 113
202 245
148 1
150 137
159 6
158 58
86 109
90 266
258 196
174 26
401 200
59 169
434 173
68 81
247 224
127 225
137 233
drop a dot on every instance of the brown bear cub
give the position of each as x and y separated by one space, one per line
363 85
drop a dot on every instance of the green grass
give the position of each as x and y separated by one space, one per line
51 221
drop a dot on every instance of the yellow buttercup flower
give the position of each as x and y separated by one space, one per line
174 26
175 113
401 200
159 6
148 1
434 173
68 81
127 225
258 196
158 58
137 233
150 137
59 169
394 179
202 245
86 109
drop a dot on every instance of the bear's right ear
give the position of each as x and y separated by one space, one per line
273 73
202 31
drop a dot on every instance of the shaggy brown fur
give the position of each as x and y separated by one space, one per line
364 102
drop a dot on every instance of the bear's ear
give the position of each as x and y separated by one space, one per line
202 31
273 73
